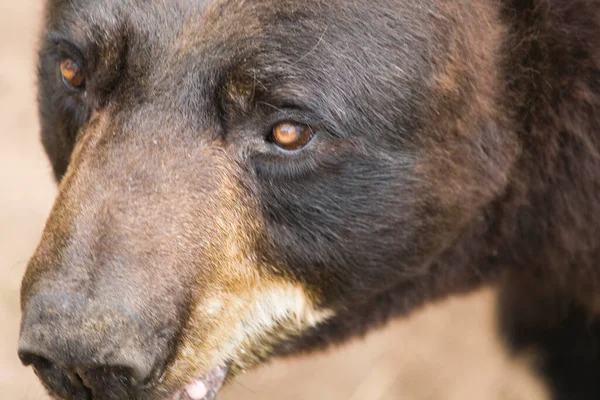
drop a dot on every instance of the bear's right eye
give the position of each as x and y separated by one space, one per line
72 73
291 135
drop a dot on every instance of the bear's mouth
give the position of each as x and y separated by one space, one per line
204 388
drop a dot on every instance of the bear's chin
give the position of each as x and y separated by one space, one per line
205 388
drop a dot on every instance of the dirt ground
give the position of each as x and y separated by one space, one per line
447 351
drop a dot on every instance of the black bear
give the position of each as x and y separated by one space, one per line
247 179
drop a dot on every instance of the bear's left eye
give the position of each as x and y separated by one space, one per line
291 135
72 73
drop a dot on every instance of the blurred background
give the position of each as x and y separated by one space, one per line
446 351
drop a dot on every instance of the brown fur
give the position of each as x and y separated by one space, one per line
457 143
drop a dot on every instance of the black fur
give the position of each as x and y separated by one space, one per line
457 143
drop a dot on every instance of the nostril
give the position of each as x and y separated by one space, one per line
34 360
62 382
70 376
104 379
41 365
108 376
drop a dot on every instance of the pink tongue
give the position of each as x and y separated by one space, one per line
205 388
197 390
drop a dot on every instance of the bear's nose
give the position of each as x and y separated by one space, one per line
81 349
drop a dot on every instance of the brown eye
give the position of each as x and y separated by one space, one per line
292 135
71 73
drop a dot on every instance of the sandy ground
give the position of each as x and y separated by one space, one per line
447 351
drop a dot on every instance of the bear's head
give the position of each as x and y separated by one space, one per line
240 179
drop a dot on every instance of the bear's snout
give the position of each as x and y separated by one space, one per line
145 280
81 346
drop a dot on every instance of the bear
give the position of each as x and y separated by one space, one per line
241 180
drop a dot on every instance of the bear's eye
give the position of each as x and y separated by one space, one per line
291 135
72 73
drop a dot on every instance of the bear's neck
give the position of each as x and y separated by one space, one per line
550 224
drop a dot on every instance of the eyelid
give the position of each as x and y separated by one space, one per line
301 114
66 47
285 114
